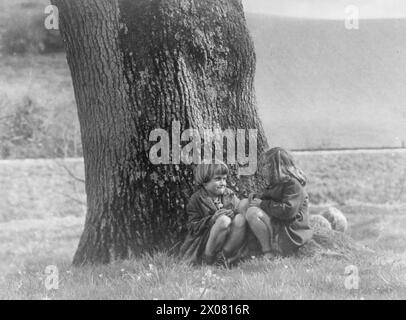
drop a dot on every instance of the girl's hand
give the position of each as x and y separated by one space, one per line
220 212
255 202
230 214
251 196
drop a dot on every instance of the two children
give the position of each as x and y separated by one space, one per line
219 222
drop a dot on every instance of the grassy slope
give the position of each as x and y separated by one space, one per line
319 84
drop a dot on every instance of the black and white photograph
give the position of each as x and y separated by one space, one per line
221 151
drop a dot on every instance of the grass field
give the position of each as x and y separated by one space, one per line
28 247
47 233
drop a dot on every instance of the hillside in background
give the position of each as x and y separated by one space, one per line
321 85
318 84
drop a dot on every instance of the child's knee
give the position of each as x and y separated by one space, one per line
223 222
252 214
243 206
239 221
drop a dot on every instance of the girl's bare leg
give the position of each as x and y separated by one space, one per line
242 206
236 236
218 235
260 225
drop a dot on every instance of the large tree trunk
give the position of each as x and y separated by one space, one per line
138 66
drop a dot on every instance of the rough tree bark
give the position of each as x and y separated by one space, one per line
137 66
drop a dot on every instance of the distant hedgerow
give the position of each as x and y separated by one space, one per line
27 34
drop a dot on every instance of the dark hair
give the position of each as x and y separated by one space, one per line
278 166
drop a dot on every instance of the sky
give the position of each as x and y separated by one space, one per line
329 9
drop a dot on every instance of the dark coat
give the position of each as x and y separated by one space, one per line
286 204
200 210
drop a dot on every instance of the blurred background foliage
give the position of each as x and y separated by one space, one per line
38 116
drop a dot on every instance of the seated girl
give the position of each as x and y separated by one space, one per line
216 225
279 216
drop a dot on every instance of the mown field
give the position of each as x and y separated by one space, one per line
54 188
42 215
